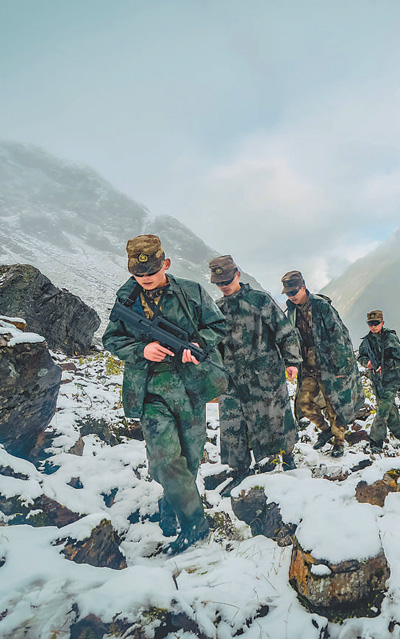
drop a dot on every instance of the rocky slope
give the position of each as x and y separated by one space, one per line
69 222
370 283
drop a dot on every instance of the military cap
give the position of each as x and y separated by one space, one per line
375 315
223 269
145 254
292 280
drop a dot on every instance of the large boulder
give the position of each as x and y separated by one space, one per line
61 317
29 385
339 590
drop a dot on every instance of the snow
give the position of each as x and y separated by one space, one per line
220 583
18 336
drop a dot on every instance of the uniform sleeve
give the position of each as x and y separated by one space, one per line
123 344
285 335
362 354
211 323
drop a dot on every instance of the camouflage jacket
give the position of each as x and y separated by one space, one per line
335 360
386 347
122 341
260 341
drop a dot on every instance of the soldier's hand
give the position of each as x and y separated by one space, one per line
154 352
292 372
369 365
188 358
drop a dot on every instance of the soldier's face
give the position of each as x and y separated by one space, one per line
232 287
377 328
156 280
300 297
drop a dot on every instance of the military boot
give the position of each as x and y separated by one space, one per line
168 522
189 534
323 438
337 450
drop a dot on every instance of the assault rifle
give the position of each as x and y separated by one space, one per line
375 366
160 330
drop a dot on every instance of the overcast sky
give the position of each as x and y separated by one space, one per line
270 128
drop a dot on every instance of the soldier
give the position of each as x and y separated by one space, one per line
255 412
160 388
382 346
329 381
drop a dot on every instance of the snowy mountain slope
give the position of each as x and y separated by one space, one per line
230 584
373 282
73 225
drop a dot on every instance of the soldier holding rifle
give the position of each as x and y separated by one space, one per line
380 352
165 385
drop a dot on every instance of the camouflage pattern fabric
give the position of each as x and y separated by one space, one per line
175 435
312 403
256 412
336 365
174 425
386 347
122 341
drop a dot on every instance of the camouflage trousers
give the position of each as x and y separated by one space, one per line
246 426
311 402
387 416
175 435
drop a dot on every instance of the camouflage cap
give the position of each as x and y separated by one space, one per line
292 280
375 315
223 269
145 254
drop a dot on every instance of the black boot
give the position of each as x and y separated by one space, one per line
168 523
188 536
323 438
337 450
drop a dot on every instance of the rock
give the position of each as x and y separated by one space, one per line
337 591
263 519
213 480
101 548
61 317
356 436
29 385
377 492
42 511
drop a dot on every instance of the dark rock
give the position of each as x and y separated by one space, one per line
263 519
91 627
99 427
348 589
46 512
62 318
377 492
100 549
356 436
364 463
29 385
212 481
364 412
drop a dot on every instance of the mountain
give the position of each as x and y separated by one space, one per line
372 282
73 225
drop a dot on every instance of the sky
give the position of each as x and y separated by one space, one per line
269 127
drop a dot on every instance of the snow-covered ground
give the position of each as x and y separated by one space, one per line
222 583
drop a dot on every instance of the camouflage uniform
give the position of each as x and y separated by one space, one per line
386 347
255 413
173 421
329 379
